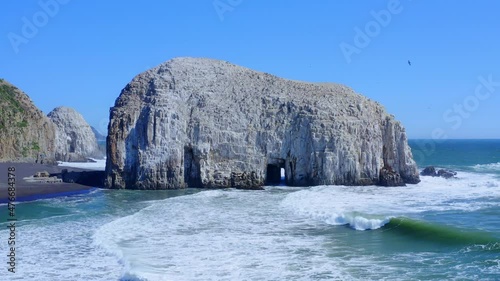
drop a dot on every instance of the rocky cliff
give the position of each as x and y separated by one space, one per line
75 140
209 123
25 132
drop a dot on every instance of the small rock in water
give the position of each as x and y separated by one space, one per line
431 171
446 173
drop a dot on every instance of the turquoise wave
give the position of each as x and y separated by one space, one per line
442 234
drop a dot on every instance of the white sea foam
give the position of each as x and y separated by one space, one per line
371 207
60 249
490 168
269 235
98 164
217 235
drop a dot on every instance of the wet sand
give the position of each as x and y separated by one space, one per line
26 191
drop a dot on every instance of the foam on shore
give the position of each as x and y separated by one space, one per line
97 165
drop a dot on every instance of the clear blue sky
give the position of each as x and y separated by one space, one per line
84 52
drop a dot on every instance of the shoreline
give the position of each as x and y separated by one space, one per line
47 195
30 191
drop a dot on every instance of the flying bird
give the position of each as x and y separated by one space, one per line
409 62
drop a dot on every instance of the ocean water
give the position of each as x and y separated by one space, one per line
436 230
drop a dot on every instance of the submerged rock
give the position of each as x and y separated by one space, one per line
208 123
25 132
75 140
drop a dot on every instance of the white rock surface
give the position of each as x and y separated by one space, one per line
208 123
75 141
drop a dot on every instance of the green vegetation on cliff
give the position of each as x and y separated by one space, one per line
31 150
8 98
11 109
9 106
24 130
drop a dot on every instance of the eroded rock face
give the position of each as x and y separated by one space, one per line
209 123
25 132
75 140
388 177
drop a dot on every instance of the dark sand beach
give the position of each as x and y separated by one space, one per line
26 190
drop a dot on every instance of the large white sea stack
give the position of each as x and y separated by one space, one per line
209 123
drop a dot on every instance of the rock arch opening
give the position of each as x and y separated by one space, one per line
275 173
191 168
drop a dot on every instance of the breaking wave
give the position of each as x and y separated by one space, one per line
272 234
369 207
439 233
488 168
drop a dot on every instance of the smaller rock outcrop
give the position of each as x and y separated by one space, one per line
75 140
446 173
430 171
43 177
388 177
